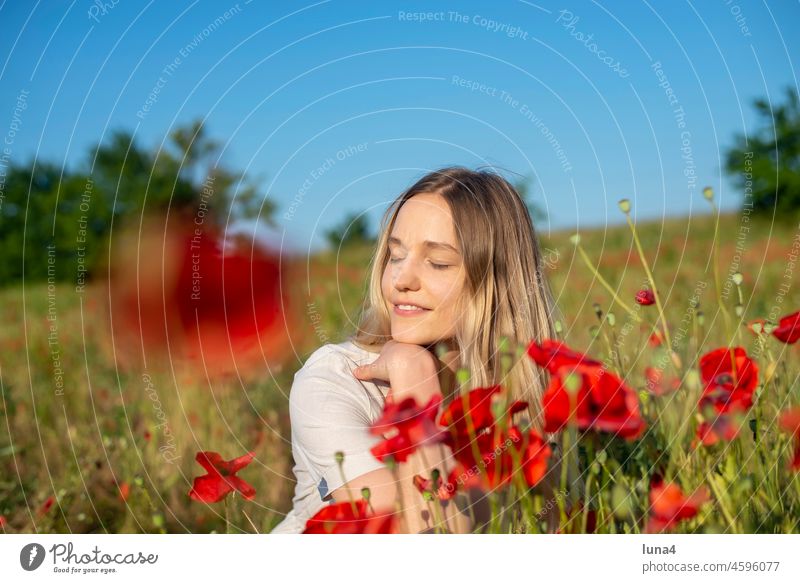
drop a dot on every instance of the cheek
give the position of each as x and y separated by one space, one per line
447 291
386 284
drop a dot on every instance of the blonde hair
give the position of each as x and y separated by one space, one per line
506 293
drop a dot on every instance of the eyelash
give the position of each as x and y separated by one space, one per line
438 266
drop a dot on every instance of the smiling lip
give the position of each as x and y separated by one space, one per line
415 312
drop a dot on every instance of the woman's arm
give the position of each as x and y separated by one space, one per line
411 372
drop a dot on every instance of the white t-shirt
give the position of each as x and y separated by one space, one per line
330 410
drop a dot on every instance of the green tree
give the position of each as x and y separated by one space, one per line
767 162
232 195
76 211
353 230
524 187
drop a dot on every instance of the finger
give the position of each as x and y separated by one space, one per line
370 372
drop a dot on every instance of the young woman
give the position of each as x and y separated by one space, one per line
457 265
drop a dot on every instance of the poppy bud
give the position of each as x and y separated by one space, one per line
625 205
572 382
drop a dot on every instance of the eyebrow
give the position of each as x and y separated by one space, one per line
428 244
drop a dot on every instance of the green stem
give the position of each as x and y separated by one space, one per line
606 285
718 288
723 506
340 464
653 286
228 526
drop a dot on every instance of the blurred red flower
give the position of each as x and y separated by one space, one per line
756 326
645 297
124 491
729 379
46 505
789 421
603 402
788 329
441 491
498 451
656 384
478 413
200 295
406 426
552 355
221 478
669 506
350 518
723 427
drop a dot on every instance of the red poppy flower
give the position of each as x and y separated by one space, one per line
729 380
442 490
723 427
603 402
645 297
46 505
405 427
669 506
656 384
350 518
124 491
757 326
552 355
496 466
3 521
221 478
479 404
789 421
656 339
788 329
208 297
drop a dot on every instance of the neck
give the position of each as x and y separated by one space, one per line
450 357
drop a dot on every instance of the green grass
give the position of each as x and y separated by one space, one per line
80 443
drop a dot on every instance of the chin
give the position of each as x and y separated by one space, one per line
413 337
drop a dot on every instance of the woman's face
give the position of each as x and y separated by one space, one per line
424 276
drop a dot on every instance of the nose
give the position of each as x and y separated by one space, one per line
405 276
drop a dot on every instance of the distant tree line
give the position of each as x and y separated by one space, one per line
765 163
46 206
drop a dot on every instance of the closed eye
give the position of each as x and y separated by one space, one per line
440 265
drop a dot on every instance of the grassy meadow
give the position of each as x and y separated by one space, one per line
86 446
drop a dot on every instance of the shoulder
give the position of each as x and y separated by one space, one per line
331 360
329 369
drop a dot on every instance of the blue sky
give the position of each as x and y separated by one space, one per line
338 106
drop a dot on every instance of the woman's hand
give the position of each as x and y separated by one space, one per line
410 370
